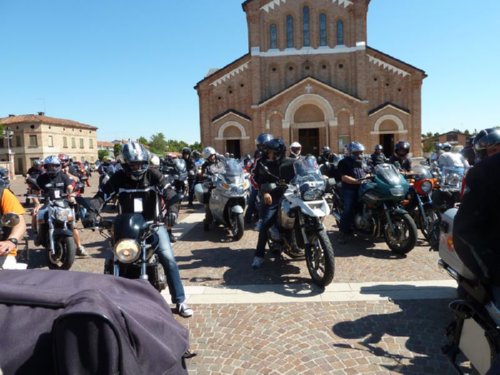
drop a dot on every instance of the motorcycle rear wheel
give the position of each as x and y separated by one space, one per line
64 255
320 258
237 226
405 237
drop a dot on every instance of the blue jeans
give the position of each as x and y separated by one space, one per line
251 204
190 190
167 260
350 200
268 217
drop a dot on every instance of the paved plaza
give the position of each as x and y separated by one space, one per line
383 314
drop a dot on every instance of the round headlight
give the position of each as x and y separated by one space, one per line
127 251
427 187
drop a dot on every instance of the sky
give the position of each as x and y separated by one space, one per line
129 67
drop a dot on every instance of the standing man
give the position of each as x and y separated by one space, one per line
191 169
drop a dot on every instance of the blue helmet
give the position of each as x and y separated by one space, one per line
262 139
52 165
355 147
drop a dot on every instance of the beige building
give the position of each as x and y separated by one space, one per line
38 136
309 76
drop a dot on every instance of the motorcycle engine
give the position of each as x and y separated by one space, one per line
364 223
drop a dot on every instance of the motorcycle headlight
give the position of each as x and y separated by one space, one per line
397 191
63 215
312 194
427 187
453 179
127 251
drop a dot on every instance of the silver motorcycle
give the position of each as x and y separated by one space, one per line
300 220
475 330
226 193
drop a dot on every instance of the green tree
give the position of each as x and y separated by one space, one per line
102 153
196 146
143 141
466 132
117 148
158 144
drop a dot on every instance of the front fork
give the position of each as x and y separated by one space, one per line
388 218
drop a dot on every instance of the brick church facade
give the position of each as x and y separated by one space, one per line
310 77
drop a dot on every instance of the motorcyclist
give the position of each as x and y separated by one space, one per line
438 150
295 150
68 167
54 179
211 159
476 233
326 155
352 172
468 151
400 157
378 156
36 169
272 168
132 184
191 169
254 190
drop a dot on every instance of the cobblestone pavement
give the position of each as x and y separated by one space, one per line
388 336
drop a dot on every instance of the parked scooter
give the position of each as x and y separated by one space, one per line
228 191
475 330
300 220
380 211
54 232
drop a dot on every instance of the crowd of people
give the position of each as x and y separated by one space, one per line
136 171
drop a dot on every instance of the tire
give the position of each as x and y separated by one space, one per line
320 258
432 216
237 226
65 254
406 231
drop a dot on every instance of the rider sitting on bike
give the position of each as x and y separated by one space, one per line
401 156
133 186
273 167
352 172
211 159
476 233
378 156
54 179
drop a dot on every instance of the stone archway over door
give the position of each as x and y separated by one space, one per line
231 134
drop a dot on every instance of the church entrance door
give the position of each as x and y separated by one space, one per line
387 142
309 139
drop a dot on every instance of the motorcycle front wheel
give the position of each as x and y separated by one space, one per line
237 226
65 251
432 216
402 237
320 258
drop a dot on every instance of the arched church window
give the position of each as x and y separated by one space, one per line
340 33
273 31
289 32
322 30
307 27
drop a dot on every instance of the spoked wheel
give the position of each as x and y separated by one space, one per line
432 217
237 226
320 258
65 251
402 237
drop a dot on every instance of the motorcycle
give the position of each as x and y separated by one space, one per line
475 329
300 225
228 190
418 202
53 230
380 210
176 175
133 241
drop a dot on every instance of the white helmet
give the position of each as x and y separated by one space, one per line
295 148
154 161
207 152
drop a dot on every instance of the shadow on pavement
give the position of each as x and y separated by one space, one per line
407 341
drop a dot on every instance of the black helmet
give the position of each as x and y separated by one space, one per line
493 138
446 147
379 148
277 146
134 153
326 150
186 150
480 143
195 154
262 139
403 146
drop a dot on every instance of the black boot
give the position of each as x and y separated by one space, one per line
171 236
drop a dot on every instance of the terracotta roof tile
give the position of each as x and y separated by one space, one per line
42 119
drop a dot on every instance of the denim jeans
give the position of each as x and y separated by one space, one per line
167 260
268 217
252 199
350 200
190 190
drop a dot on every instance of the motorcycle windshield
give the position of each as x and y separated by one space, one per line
422 172
306 167
233 171
388 174
180 166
